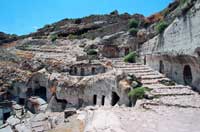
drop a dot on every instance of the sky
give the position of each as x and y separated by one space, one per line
25 16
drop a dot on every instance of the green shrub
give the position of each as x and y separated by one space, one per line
131 57
138 93
133 23
161 26
91 52
133 31
53 37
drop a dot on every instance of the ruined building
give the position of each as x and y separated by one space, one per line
73 75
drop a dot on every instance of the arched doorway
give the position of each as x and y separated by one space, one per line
187 75
115 98
161 67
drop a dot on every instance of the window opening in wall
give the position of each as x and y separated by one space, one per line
103 100
95 99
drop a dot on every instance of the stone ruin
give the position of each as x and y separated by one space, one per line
56 85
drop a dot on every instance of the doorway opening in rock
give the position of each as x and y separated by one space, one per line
187 75
161 67
41 92
6 116
145 60
21 101
115 98
95 99
103 100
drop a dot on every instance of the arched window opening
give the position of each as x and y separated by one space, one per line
187 75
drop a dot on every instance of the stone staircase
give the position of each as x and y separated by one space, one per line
175 96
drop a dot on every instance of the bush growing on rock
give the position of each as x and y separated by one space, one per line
138 93
53 37
133 31
161 26
133 23
131 57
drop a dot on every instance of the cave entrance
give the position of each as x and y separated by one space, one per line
161 67
187 75
21 101
103 100
115 98
95 99
41 92
6 116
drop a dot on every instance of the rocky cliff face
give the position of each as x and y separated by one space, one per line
177 47
181 37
